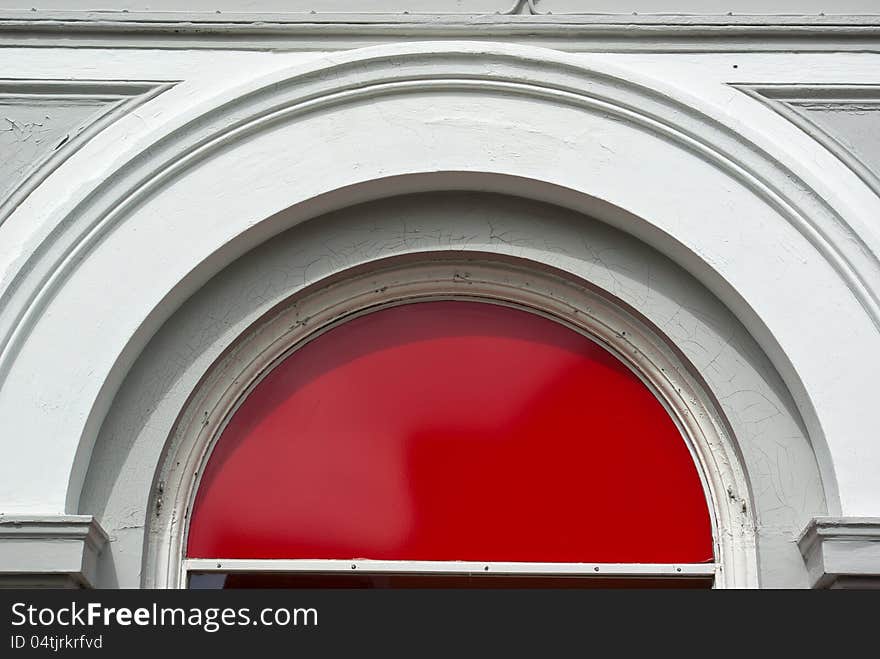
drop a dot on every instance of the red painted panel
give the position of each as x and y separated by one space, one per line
452 431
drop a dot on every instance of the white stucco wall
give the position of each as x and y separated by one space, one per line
188 199
783 472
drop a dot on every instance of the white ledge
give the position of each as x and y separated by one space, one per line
50 550
842 552
340 31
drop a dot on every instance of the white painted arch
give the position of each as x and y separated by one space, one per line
457 275
124 247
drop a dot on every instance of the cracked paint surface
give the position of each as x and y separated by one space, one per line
32 130
777 455
856 127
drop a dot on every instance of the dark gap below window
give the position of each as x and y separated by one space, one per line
217 580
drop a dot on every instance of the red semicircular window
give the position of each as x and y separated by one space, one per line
452 430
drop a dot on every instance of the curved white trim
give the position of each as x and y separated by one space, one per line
819 241
325 88
120 98
482 278
785 99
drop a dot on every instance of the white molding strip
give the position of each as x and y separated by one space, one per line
117 98
842 552
789 100
451 567
455 67
340 31
50 550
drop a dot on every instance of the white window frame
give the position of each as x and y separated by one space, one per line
453 276
475 568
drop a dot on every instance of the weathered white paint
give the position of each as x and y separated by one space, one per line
842 552
56 551
45 121
854 30
458 6
855 125
472 274
33 128
122 484
680 150
472 126
843 118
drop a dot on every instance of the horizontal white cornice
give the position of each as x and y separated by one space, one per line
842 552
50 550
339 31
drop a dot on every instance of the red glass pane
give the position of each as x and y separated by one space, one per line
452 431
